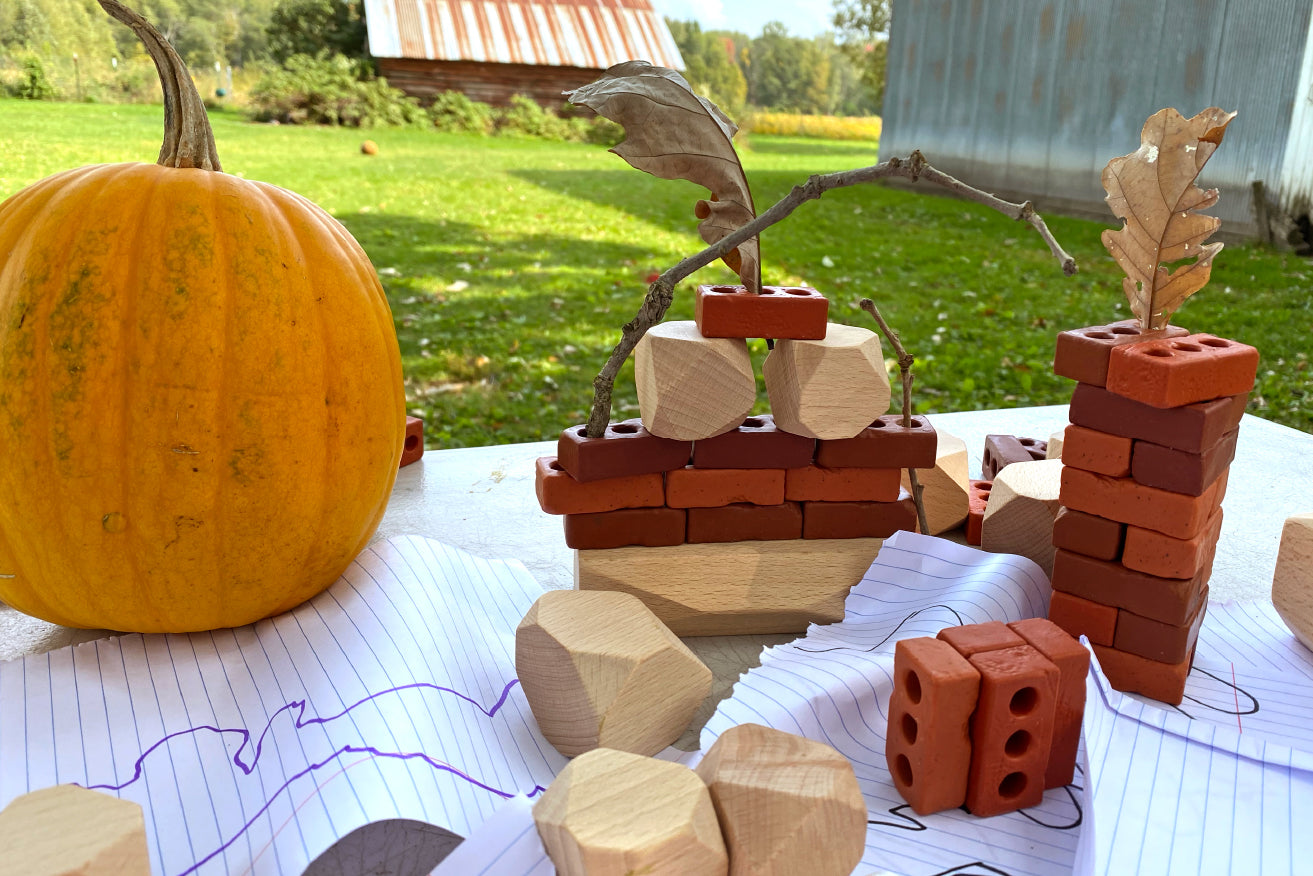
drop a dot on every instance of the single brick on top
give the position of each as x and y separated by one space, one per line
1174 372
625 448
776 312
558 493
1082 354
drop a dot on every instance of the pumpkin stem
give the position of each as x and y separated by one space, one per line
188 139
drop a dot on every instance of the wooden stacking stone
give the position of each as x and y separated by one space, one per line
1292 582
1023 504
691 387
66 830
831 388
946 488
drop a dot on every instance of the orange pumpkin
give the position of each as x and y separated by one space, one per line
201 405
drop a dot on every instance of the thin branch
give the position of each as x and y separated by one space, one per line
661 292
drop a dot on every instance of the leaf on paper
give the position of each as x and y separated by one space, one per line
1154 190
672 133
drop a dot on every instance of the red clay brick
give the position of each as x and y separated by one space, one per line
886 443
1156 466
1073 663
558 493
648 527
717 487
971 639
977 502
1011 730
1174 372
1192 428
858 519
1126 501
1170 600
927 745
756 443
1132 673
1082 354
1098 452
413 449
1087 534
777 312
625 448
817 484
1084 617
1166 557
743 522
1165 643
1003 450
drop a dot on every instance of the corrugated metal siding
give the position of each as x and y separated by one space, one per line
1034 97
1297 167
565 33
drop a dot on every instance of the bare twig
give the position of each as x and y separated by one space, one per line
661 292
905 360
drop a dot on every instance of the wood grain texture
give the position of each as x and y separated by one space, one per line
611 813
691 387
1292 583
739 588
832 388
600 670
1022 507
69 831
1054 450
946 488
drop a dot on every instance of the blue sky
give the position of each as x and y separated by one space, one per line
802 17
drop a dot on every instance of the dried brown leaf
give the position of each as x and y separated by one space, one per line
1154 190
672 133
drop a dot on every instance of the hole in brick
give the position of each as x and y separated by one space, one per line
753 423
1189 348
724 290
1101 336
989 459
913 687
878 424
1018 744
579 430
412 441
1215 342
625 429
1159 353
767 291
1125 330
1012 785
798 291
909 729
985 487
555 466
1026 442
916 424
903 767
1024 701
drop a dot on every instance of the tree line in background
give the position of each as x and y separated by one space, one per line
70 50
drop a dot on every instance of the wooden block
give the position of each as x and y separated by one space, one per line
1098 452
831 388
601 671
819 484
977 502
1082 354
776 312
1292 582
649 527
1083 617
413 448
65 830
1174 372
945 489
1191 428
1003 450
625 448
1165 643
1011 730
787 804
558 493
1054 449
1124 500
744 522
610 813
858 519
1022 507
1169 600
928 742
1166 557
1132 673
739 588
885 443
1073 663
716 487
969 639
1087 534
756 443
691 387
1156 466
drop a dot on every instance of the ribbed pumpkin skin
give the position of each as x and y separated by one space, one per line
201 405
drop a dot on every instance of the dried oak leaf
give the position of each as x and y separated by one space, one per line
672 133
1154 190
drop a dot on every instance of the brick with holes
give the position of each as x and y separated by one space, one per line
413 449
1003 450
886 443
1073 663
776 312
558 493
977 502
1082 354
756 443
625 448
1174 372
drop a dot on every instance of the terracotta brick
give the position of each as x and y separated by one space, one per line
1191 428
1082 354
558 493
1166 557
1011 730
1132 673
756 443
1170 600
1173 372
743 522
1124 500
715 487
818 484
1087 534
858 519
1165 643
1156 466
777 312
927 746
1083 617
1003 450
413 448
886 443
648 527
1073 663
970 639
977 502
625 448
1098 452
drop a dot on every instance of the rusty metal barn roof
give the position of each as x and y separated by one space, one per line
559 33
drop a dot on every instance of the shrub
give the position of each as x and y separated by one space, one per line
526 118
454 112
825 127
33 84
331 90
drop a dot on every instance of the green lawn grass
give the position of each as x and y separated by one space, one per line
511 264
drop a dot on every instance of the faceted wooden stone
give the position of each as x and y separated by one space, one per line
831 388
